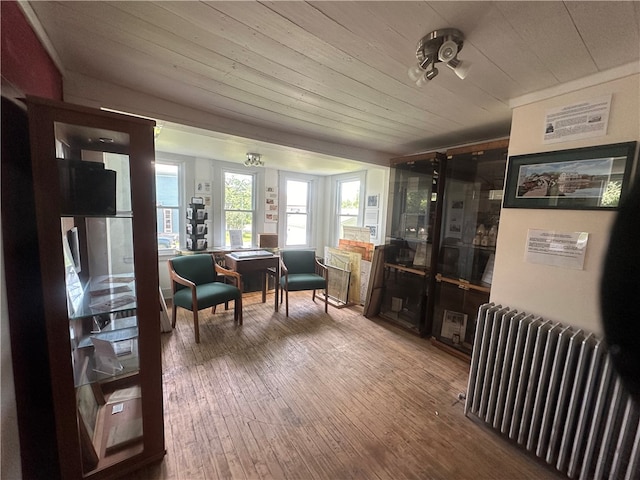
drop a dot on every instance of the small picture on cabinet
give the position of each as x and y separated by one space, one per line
235 238
455 227
86 401
105 357
74 245
455 216
396 304
454 325
88 408
75 289
372 201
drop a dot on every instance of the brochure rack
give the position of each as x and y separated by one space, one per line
196 227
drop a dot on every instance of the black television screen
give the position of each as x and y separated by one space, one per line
86 188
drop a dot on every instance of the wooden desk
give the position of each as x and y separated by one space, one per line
257 264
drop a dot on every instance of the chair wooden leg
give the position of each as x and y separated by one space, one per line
326 301
213 309
237 310
173 315
196 327
313 296
287 302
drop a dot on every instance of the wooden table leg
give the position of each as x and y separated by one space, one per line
273 272
276 286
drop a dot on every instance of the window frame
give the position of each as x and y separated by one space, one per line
180 208
284 216
338 180
254 211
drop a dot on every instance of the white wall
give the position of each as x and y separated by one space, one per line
378 184
560 294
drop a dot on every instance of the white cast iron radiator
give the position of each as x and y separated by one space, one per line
551 388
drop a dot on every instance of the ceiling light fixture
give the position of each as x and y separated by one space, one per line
254 160
438 46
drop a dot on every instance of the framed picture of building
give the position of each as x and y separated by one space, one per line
582 178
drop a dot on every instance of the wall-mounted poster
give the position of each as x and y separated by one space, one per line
580 120
271 205
560 249
203 187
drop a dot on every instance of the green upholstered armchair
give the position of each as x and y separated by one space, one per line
198 282
300 270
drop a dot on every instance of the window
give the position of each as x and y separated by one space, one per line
348 203
297 213
239 209
168 206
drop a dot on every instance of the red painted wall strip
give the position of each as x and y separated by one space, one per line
25 64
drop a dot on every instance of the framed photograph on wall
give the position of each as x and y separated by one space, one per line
590 178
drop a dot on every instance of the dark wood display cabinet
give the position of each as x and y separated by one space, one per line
470 219
85 326
407 279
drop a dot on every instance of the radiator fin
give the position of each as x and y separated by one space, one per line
551 389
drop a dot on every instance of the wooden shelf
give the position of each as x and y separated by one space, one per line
463 284
403 268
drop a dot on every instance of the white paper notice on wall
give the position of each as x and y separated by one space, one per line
203 187
574 122
560 249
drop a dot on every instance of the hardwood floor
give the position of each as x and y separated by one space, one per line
334 396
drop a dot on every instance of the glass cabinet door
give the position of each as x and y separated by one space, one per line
471 215
411 236
470 220
412 211
96 225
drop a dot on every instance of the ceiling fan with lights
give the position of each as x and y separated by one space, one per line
438 46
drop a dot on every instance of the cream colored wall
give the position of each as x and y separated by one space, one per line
560 294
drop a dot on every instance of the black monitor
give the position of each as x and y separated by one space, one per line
86 188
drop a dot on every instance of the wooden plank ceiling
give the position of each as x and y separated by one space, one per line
336 72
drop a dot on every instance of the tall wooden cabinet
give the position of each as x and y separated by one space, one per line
93 320
407 279
470 219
